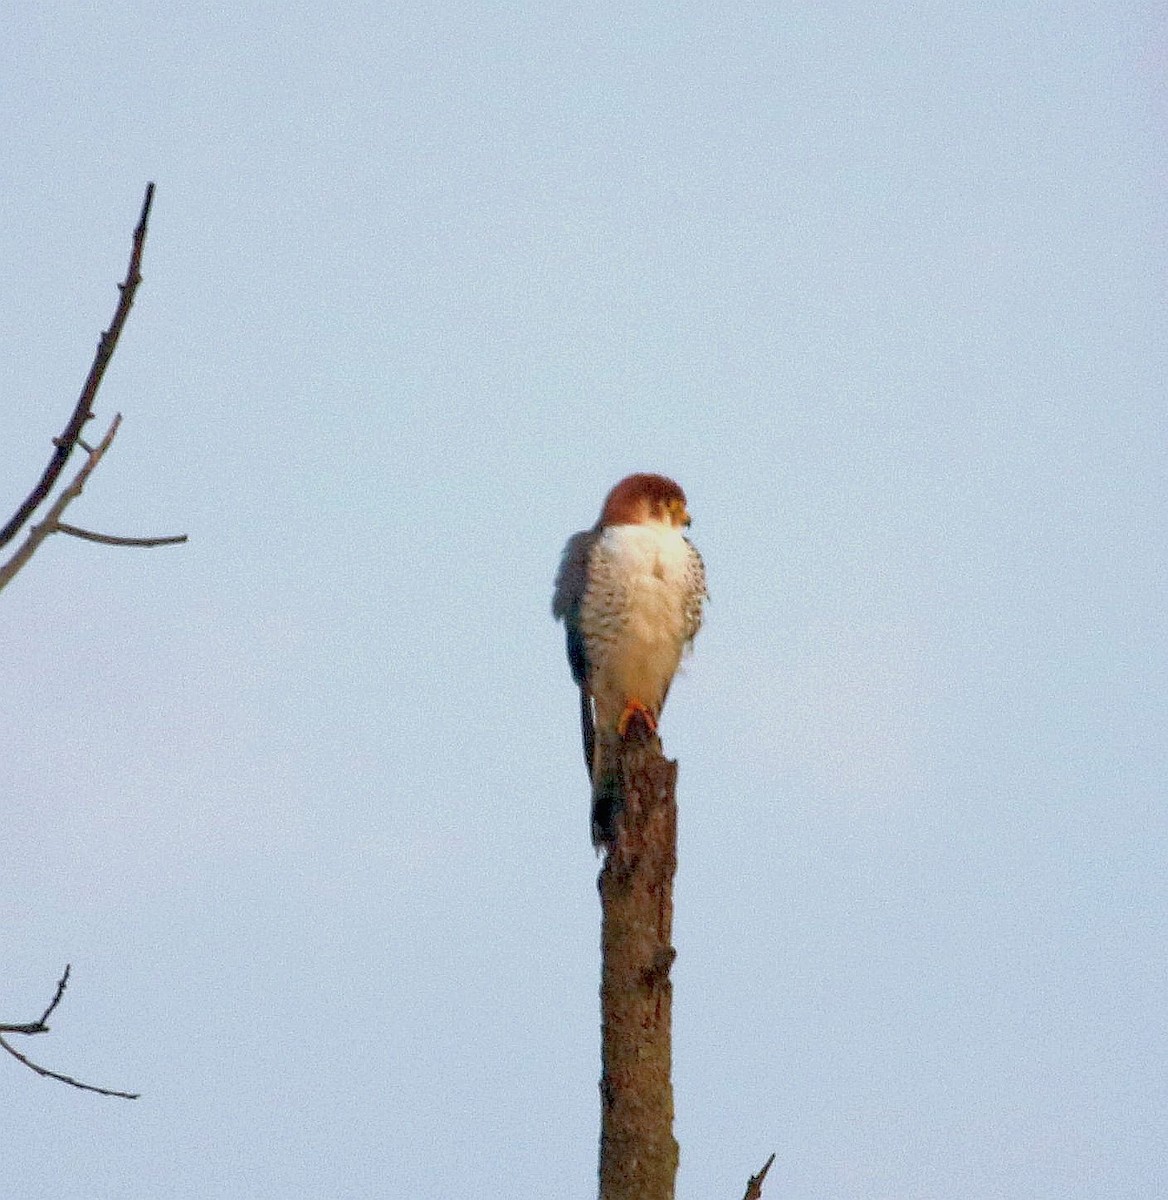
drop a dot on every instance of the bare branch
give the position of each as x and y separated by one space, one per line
29 1027
62 983
42 1026
63 445
71 438
39 532
754 1187
44 1071
52 522
108 539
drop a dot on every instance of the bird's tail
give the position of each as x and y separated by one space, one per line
587 729
607 786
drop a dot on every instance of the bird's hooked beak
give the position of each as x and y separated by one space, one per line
679 514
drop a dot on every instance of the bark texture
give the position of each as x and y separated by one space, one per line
638 1152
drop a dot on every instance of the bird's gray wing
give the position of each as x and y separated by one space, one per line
571 583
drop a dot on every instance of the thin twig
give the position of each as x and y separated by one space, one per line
53 524
85 1087
108 539
754 1187
42 1026
39 532
63 445
62 983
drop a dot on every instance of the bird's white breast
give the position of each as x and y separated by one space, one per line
639 611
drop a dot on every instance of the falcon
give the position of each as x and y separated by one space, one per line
630 592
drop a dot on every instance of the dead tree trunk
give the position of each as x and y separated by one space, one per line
638 1152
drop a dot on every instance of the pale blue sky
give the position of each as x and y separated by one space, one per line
883 287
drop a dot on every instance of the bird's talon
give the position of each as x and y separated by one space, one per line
634 708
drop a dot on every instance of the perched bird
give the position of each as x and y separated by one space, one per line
630 592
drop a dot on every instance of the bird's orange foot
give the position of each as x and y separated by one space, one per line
634 708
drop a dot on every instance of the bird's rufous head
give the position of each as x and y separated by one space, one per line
644 499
